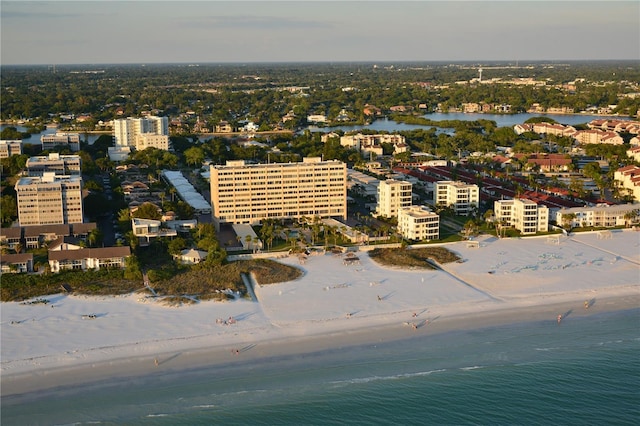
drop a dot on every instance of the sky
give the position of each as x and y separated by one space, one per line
104 32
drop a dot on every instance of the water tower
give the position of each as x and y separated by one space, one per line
479 74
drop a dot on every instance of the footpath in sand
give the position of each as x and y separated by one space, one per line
497 279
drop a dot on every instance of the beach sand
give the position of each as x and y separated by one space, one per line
331 307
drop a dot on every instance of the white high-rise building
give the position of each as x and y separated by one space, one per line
462 197
392 196
418 223
524 215
49 200
249 193
141 133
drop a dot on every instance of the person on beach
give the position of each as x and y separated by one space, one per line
379 298
559 318
155 361
586 304
414 326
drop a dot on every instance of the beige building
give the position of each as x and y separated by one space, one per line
10 147
524 215
628 178
62 165
49 199
392 196
50 141
602 215
250 193
367 144
418 223
462 197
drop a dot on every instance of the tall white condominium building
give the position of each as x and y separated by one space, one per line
418 223
393 195
524 215
49 200
249 193
10 147
141 133
461 196
50 141
66 165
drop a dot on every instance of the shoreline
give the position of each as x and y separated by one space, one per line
81 340
42 382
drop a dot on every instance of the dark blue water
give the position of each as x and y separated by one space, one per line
584 371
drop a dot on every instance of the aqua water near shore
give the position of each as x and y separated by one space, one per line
582 372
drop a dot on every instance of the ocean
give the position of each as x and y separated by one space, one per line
584 371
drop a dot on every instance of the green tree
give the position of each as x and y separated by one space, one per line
176 245
194 155
8 210
147 211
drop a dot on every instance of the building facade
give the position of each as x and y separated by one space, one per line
69 165
628 179
602 215
50 141
89 258
392 196
418 223
250 193
524 215
462 197
141 133
49 199
10 147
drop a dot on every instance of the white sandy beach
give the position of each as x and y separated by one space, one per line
332 305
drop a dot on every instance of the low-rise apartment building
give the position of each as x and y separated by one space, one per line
71 140
462 197
601 215
418 223
249 193
88 258
49 200
392 196
16 263
524 215
10 147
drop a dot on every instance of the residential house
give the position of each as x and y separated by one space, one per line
147 229
191 256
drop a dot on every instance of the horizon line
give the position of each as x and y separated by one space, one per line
328 62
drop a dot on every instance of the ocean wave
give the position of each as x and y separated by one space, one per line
384 378
475 367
